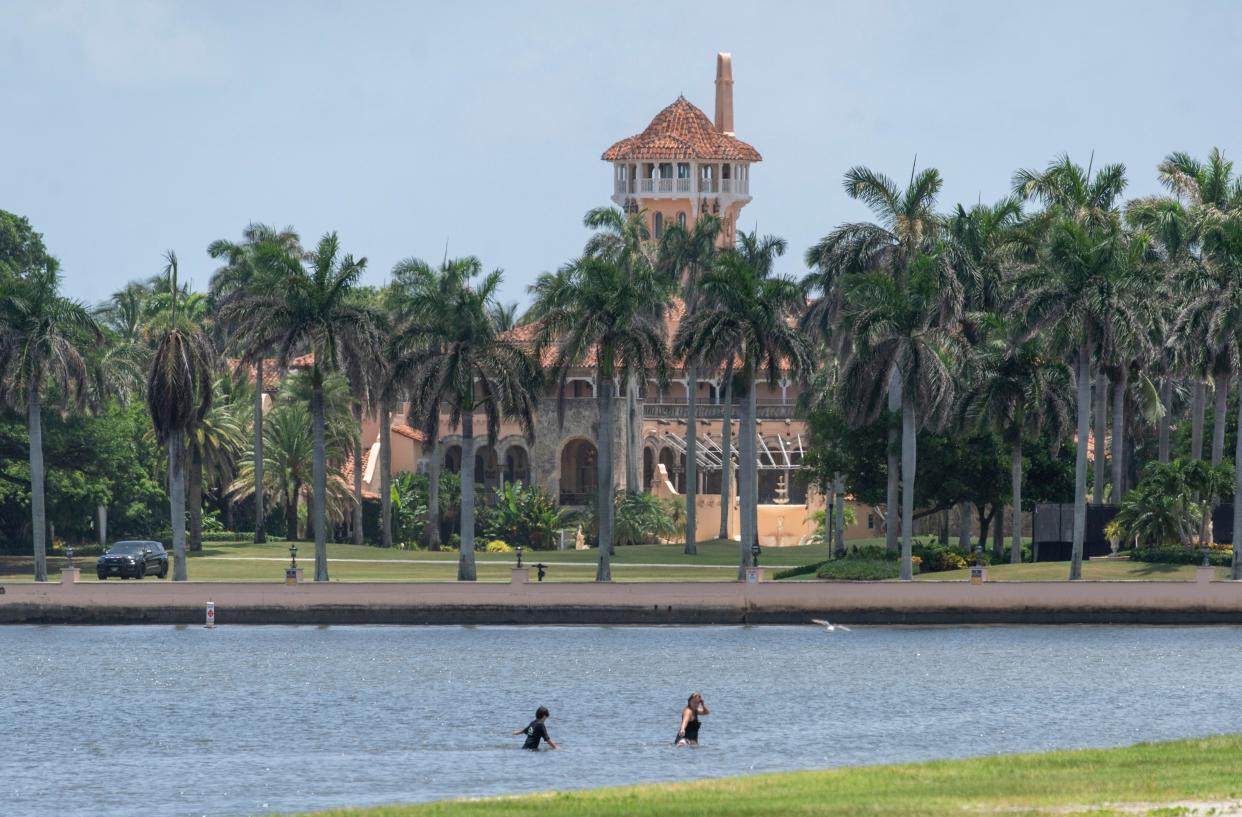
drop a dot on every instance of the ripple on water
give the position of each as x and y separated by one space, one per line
253 720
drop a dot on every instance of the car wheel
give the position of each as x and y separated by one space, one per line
142 571
103 577
163 574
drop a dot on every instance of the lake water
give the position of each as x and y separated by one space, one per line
122 721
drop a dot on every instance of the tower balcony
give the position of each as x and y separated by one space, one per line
681 188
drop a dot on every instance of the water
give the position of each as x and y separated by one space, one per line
122 721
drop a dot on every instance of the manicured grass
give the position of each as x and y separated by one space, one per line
1147 778
1092 570
245 561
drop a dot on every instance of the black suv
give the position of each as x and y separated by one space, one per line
133 560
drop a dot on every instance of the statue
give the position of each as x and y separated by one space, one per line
579 540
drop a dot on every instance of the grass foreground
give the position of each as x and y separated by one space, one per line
1188 777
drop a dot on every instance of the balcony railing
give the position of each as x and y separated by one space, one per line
715 411
658 186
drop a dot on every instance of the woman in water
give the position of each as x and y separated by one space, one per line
688 734
536 730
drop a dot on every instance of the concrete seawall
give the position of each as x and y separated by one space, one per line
1152 602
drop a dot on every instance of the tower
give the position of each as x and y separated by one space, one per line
685 165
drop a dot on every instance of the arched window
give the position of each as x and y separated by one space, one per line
659 225
681 220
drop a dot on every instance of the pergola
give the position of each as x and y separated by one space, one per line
777 456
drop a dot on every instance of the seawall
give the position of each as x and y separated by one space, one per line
520 602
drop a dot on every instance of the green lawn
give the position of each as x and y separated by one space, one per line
1147 779
244 561
716 561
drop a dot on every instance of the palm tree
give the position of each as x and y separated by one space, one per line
687 255
1081 288
595 311
625 240
213 446
243 270
310 306
420 298
42 335
902 329
178 398
470 369
906 225
1016 388
746 312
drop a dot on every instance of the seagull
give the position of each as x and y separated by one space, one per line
829 627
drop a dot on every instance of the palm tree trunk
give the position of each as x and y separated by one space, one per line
176 501
319 484
465 564
838 514
1015 476
891 514
260 532
1165 426
998 533
1118 448
196 499
1101 426
357 514
726 456
604 478
1237 494
101 526
747 491
964 511
1080 460
433 484
1198 403
385 464
291 512
908 456
38 502
692 465
1219 418
633 450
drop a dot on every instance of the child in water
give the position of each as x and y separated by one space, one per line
536 731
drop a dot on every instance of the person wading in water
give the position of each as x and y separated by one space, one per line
536 731
688 734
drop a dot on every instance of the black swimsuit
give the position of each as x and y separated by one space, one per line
535 732
692 730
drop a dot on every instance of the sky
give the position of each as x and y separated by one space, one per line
130 128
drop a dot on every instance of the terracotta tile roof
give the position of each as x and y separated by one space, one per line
408 432
682 131
347 474
271 375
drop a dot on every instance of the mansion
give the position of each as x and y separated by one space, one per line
682 165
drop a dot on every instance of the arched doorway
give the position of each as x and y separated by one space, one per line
452 459
486 468
648 468
578 477
517 465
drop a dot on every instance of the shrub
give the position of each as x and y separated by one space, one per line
498 546
643 519
937 558
872 553
1178 555
858 570
801 570
526 516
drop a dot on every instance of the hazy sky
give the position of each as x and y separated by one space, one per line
133 126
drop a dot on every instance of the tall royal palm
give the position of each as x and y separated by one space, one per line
902 329
243 270
178 398
595 311
625 240
420 299
469 368
906 225
747 312
687 255
1081 291
1017 389
309 305
42 335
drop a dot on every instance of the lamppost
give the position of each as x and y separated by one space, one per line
754 553
293 556
519 555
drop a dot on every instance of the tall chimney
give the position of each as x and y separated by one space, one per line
724 93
